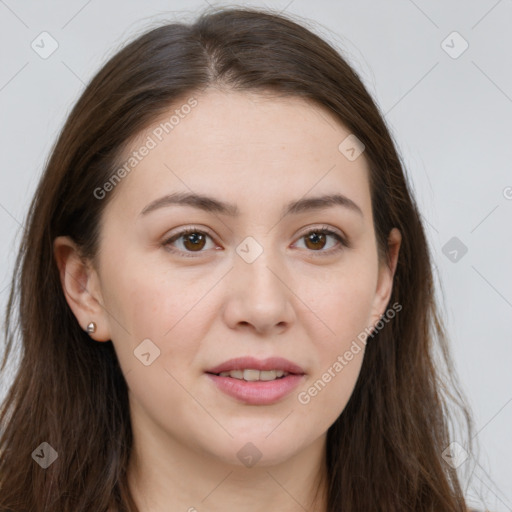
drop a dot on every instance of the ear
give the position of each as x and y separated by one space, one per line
81 287
386 275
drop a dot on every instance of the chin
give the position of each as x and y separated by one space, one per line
252 449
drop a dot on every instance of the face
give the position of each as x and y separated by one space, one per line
253 278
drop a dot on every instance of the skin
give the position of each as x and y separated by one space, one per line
302 302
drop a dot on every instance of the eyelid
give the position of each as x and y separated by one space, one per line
321 227
188 229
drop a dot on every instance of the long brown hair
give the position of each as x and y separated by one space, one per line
384 452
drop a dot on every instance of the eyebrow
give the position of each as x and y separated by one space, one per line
210 204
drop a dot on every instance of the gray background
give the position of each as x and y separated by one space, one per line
449 114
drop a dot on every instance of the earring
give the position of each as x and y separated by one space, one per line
91 328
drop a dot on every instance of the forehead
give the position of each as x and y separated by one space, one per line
246 148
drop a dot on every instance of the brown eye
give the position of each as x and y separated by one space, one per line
317 239
192 241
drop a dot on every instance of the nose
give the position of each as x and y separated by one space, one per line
259 296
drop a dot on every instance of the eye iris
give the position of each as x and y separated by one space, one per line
314 237
194 238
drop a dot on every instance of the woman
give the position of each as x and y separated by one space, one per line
225 293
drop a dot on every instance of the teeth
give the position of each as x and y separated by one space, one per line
251 375
254 375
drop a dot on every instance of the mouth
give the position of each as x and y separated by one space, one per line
253 375
256 382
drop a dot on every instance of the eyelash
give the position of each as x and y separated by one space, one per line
343 244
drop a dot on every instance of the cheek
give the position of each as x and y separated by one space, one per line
342 304
147 300
325 395
165 309
329 387
151 302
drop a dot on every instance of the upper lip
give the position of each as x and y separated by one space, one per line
271 363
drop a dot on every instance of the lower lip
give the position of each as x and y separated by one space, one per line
257 392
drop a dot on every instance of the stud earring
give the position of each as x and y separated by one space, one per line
91 328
